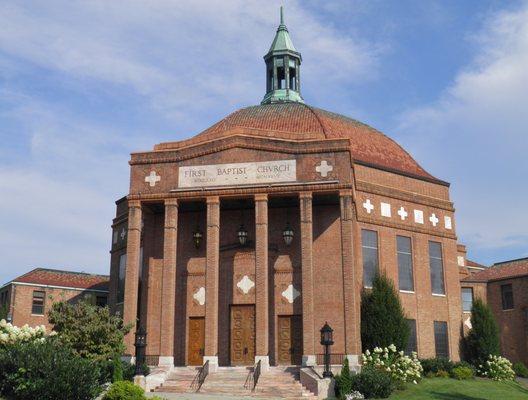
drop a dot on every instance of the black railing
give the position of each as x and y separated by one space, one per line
199 379
335 359
253 377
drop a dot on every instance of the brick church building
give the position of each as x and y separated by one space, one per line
237 244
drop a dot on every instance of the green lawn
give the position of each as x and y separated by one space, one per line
451 389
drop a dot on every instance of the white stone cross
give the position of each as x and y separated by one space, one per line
402 213
199 296
433 218
152 178
367 205
324 168
123 234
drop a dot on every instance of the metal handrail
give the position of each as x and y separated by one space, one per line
199 379
253 377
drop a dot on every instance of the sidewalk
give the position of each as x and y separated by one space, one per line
197 396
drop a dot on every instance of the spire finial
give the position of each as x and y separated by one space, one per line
281 16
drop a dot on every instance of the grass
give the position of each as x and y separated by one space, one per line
451 389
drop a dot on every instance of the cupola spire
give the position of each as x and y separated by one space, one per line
283 67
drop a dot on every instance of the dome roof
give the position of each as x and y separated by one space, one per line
299 121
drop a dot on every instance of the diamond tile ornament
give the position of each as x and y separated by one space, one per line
290 293
447 222
153 178
402 213
367 205
199 296
324 168
385 210
418 216
245 284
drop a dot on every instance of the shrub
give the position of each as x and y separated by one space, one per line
400 367
344 381
46 370
461 373
382 317
372 383
520 370
497 368
436 364
117 373
441 374
124 390
483 338
10 334
354 395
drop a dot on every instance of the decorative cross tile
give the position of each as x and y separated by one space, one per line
467 322
324 168
460 261
199 296
402 213
418 216
123 234
367 205
434 219
245 284
290 293
152 178
447 222
385 210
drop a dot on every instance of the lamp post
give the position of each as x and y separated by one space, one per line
327 341
140 344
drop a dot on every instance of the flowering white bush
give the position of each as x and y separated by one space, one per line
497 368
401 367
354 395
10 334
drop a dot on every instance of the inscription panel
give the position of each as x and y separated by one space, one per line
237 173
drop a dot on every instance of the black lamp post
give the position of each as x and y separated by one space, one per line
327 340
242 235
140 344
197 237
287 234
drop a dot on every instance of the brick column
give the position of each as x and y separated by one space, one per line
350 293
261 277
168 289
130 308
211 282
307 278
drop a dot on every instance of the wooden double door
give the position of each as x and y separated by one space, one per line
242 335
290 339
196 344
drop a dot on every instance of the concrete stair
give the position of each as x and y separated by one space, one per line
278 382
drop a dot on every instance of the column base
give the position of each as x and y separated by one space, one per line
213 362
309 360
140 381
264 363
353 359
166 361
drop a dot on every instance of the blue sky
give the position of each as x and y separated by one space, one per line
83 84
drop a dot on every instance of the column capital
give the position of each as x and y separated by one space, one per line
346 193
261 197
305 195
171 202
212 199
134 203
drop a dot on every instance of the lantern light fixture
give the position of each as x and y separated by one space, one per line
140 344
242 235
287 234
197 237
327 340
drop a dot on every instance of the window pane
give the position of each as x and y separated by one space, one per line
405 266
441 340
411 344
370 256
436 268
467 299
507 297
37 306
121 279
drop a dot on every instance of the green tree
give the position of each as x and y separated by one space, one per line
483 338
4 310
382 317
345 380
89 330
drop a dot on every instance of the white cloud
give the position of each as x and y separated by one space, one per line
476 135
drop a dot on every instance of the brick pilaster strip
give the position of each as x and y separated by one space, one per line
130 311
261 273
211 276
307 272
350 293
168 290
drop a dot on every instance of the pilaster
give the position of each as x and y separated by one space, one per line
130 312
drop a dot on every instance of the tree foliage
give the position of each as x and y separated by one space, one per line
4 310
382 317
483 338
89 330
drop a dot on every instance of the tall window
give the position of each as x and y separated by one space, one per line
369 247
37 306
467 298
411 344
405 264
441 339
436 266
101 301
507 297
121 279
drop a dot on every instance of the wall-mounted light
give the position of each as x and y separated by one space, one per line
287 234
242 235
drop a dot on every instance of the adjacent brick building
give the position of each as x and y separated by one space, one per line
504 286
236 245
29 297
